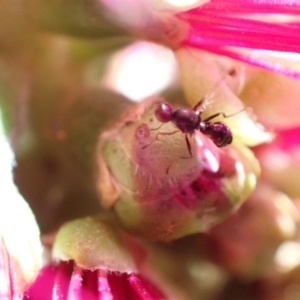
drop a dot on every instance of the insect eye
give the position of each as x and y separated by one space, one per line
163 113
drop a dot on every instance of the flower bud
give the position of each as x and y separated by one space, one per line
247 243
93 243
94 261
164 184
280 161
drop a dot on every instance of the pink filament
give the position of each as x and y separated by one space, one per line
254 6
221 24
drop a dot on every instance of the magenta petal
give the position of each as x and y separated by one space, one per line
103 286
143 288
287 139
61 280
231 28
247 57
6 282
84 285
68 281
43 286
52 283
227 29
254 6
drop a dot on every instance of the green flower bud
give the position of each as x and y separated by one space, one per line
159 188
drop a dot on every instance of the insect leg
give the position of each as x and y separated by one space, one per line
146 146
188 144
167 133
199 104
157 137
222 114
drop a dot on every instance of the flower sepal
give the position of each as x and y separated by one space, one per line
93 260
93 243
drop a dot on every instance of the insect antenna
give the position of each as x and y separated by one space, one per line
153 129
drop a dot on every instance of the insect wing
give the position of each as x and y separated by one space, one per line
208 99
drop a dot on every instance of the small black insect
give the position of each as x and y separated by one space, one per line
187 120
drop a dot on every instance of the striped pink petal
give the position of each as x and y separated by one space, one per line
236 28
68 281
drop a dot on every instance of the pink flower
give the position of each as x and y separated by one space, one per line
248 31
93 259
66 280
166 197
233 28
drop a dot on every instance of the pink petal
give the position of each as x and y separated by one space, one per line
289 138
280 161
6 282
254 6
222 27
68 281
